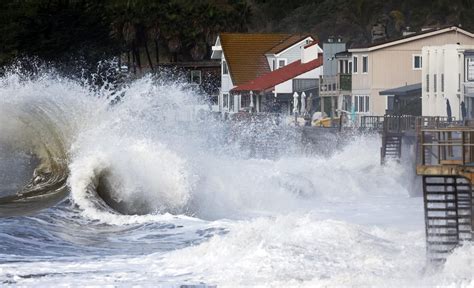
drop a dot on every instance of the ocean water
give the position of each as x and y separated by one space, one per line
135 186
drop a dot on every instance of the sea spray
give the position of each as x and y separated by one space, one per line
217 212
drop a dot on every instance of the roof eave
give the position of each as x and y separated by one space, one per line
409 39
291 46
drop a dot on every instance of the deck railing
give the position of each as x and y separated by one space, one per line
447 146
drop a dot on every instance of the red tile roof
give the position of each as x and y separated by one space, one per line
245 53
281 75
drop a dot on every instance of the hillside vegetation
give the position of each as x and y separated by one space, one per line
153 32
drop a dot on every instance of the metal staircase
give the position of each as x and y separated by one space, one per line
448 214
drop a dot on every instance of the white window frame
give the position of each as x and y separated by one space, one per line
225 68
413 62
355 64
355 102
281 59
468 77
231 103
361 103
225 99
199 77
365 57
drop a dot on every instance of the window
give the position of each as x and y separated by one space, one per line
442 82
427 82
350 67
390 103
196 77
361 103
343 66
354 65
274 64
470 68
225 70
347 102
281 63
417 62
304 84
365 64
435 83
231 103
225 100
245 101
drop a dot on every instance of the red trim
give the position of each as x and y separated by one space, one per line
281 75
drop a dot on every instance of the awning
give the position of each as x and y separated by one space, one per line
403 91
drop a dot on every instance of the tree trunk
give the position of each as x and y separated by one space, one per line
157 52
128 61
148 55
133 62
136 52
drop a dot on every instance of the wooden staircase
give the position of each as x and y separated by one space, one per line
391 147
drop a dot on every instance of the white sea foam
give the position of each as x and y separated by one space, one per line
296 220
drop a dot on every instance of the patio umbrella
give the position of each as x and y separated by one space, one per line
295 103
463 110
448 110
309 105
303 103
251 101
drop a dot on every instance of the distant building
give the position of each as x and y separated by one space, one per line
448 75
335 82
270 67
394 64
203 75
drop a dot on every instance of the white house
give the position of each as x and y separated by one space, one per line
270 67
448 75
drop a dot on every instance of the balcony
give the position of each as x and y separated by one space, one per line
335 85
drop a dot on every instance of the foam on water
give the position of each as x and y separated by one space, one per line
214 215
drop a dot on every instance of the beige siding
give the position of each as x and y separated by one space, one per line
391 67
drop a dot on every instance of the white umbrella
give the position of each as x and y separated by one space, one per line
303 103
295 103
251 100
310 103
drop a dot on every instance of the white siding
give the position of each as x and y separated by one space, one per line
444 60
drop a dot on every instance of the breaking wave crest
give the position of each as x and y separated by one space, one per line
148 148
70 133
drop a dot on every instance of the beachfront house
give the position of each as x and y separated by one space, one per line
448 81
335 82
261 72
203 76
382 70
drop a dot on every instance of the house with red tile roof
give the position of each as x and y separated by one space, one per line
260 72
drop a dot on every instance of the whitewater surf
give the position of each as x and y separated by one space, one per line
138 185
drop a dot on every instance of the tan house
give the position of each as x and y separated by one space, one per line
393 64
